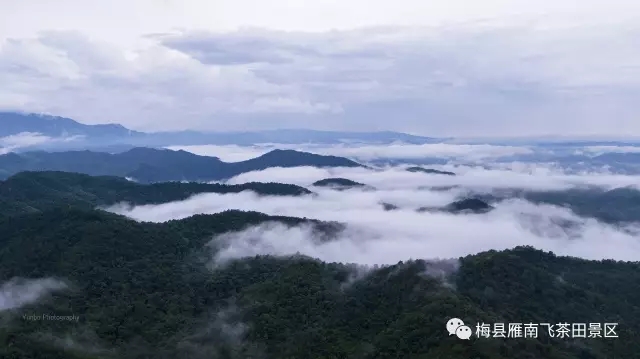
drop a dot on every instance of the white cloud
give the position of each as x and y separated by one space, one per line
476 178
367 152
27 139
23 139
149 16
150 85
376 236
406 151
496 68
598 150
478 79
229 153
19 292
287 105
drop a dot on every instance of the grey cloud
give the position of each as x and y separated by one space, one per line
228 50
470 77
275 48
25 140
473 80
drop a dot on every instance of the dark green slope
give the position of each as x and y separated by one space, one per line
466 205
159 165
340 183
144 290
34 191
131 282
530 285
474 205
430 171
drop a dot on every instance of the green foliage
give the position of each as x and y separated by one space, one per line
34 191
340 183
143 290
147 290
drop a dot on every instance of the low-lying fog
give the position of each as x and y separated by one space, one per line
378 236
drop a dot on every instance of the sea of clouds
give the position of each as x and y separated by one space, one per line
376 236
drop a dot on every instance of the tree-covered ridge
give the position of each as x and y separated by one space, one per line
417 169
615 206
474 205
462 206
144 290
339 182
35 191
159 165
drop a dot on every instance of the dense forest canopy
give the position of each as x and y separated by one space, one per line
34 191
153 290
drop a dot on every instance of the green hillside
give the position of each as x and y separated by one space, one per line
151 290
143 290
35 191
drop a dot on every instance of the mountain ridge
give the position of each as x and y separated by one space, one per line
104 135
160 165
157 290
28 192
145 290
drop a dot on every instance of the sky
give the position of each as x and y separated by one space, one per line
455 68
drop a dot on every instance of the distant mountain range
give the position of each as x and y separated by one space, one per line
117 136
149 165
22 132
13 123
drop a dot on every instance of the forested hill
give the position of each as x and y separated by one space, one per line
159 165
35 191
339 183
146 290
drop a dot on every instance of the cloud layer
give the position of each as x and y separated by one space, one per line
366 152
475 79
376 236
28 139
511 176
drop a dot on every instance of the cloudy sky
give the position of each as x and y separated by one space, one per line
461 68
